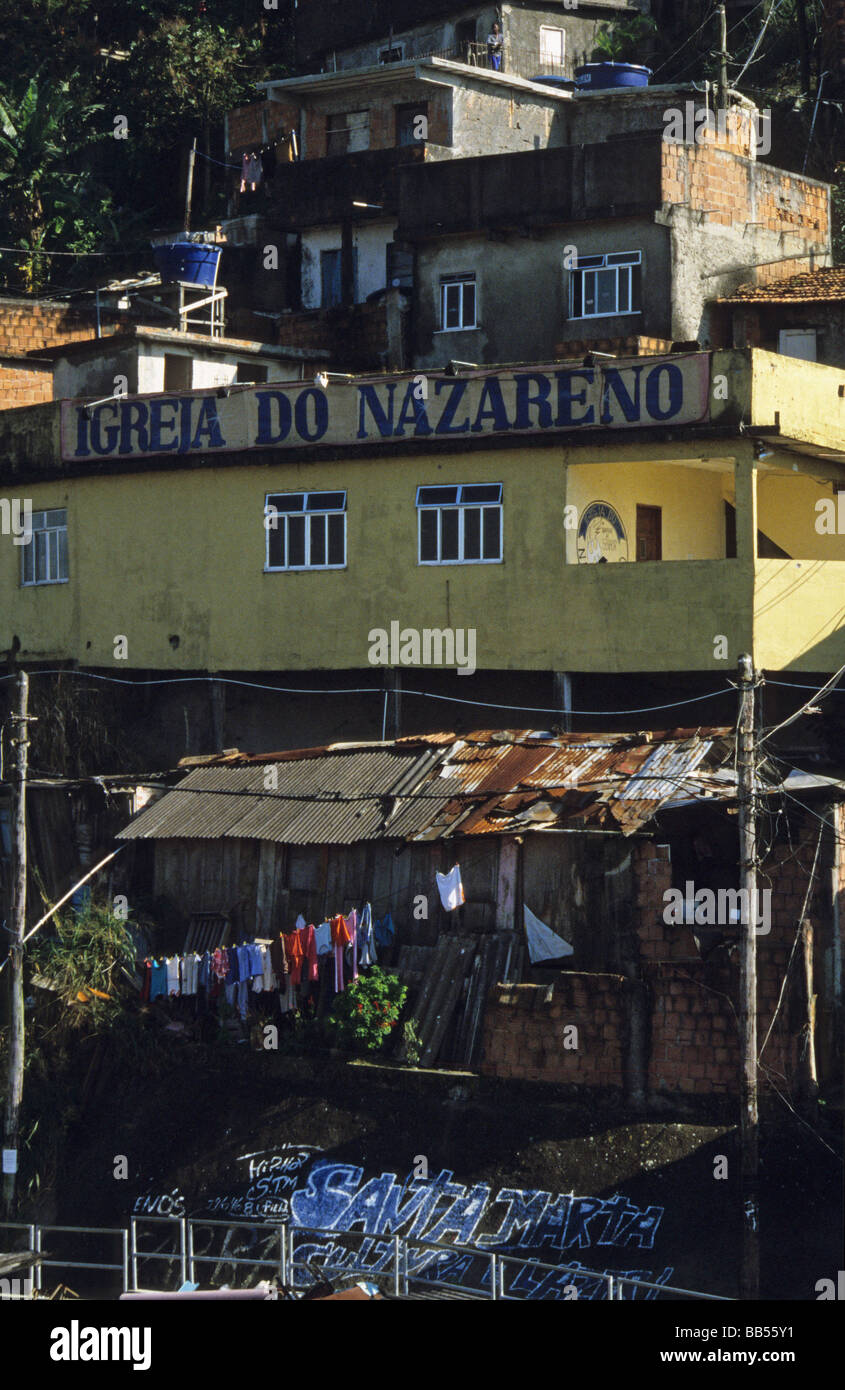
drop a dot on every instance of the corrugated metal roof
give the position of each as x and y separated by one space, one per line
488 782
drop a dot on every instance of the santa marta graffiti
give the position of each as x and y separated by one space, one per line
327 1200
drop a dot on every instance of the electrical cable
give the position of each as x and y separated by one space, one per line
366 690
825 690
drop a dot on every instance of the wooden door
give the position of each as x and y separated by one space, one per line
649 533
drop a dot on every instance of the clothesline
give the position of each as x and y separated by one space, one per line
271 965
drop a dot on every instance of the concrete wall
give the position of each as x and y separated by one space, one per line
759 324
370 241
515 272
144 370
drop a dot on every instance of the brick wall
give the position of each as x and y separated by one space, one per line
736 190
693 1032
26 325
356 338
22 384
524 1031
246 125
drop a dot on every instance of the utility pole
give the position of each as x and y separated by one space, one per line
14 1089
749 1283
723 58
189 187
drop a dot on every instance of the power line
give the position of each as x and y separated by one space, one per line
820 694
364 690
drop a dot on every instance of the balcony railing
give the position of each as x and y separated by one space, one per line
516 61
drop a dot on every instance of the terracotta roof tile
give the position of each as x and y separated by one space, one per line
827 283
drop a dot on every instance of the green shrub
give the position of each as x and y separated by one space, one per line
365 1014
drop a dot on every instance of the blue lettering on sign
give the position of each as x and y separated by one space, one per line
566 398
158 423
98 444
491 392
321 415
613 382
413 412
675 379
208 424
267 400
539 399
368 398
457 391
133 421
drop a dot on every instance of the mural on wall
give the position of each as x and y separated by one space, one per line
298 1184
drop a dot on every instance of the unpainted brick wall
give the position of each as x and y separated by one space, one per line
694 1028
735 190
22 385
27 325
524 1031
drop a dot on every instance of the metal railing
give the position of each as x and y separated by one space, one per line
516 61
407 1266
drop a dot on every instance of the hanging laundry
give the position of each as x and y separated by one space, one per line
173 982
340 940
451 889
254 173
352 949
295 955
385 932
244 170
278 959
268 160
309 948
220 963
543 943
158 983
323 938
366 938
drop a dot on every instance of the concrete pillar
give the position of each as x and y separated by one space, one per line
563 698
746 509
393 703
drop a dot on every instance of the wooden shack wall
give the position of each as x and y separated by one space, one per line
580 886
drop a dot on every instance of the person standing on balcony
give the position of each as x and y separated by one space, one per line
495 46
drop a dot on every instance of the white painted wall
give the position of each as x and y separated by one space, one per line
371 244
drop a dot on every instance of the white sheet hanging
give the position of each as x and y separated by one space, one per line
543 943
451 889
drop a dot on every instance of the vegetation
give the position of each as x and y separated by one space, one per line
366 1013
624 41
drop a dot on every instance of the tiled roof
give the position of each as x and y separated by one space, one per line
827 283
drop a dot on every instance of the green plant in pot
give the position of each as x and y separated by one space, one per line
624 40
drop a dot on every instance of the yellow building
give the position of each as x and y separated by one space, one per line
651 515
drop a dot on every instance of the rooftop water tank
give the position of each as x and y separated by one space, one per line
593 76
194 262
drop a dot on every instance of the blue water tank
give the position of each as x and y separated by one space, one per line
593 76
565 83
193 261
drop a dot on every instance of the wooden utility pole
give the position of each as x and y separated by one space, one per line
749 1283
723 58
189 186
14 1089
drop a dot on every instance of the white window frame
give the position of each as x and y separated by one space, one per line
54 551
603 264
353 121
392 48
545 56
448 282
310 513
460 506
